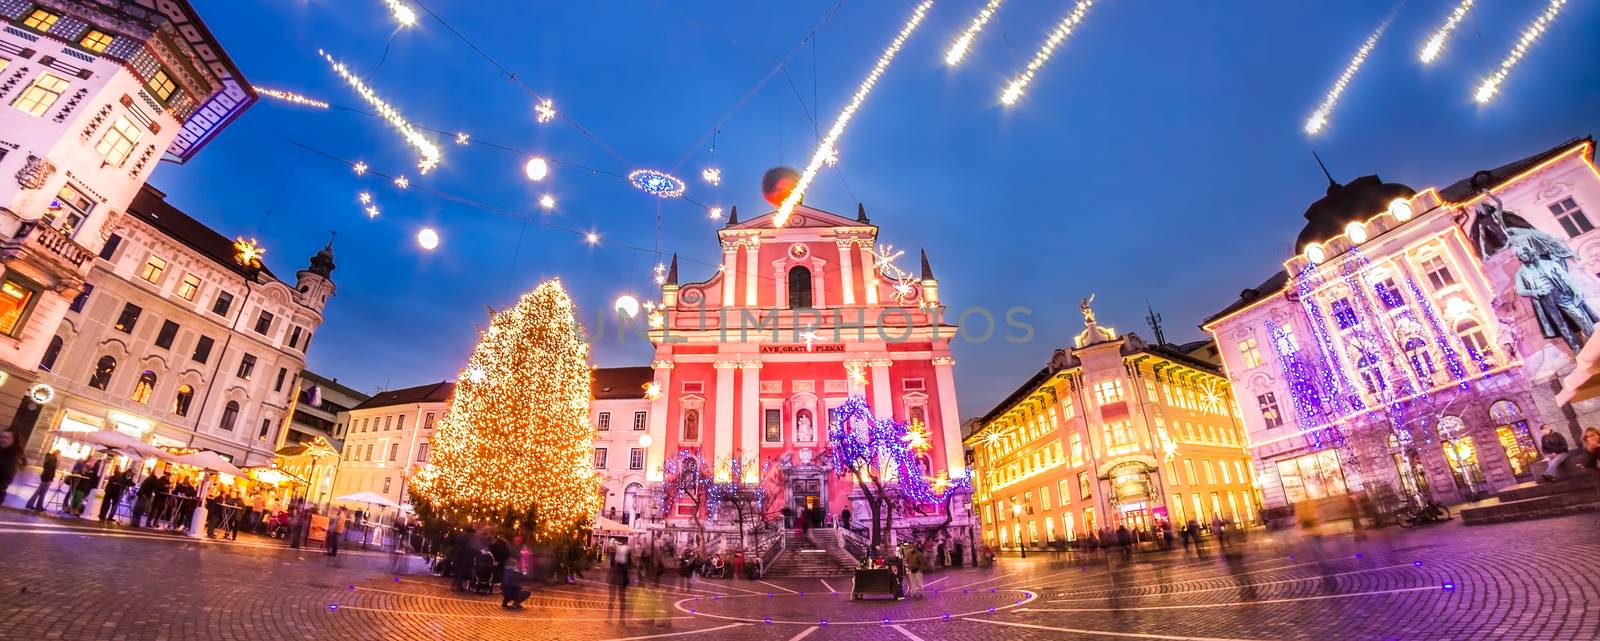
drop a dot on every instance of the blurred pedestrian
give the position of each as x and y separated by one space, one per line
618 579
11 460
1555 452
47 477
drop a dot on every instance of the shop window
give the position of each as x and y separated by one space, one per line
1572 219
1313 476
180 401
51 353
101 378
17 298
40 95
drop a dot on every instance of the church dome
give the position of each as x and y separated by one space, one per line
1361 199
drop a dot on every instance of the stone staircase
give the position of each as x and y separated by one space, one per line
1535 501
817 556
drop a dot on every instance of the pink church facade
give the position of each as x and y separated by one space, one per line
792 322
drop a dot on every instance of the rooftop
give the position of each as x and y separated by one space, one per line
608 383
151 206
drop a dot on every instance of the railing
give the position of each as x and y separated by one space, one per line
56 243
853 543
769 541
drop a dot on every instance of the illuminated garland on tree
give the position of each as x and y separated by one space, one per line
515 443
884 448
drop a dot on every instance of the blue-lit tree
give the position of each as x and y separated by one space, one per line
881 456
686 478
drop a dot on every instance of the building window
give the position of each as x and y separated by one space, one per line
161 84
1108 391
1251 352
68 210
39 96
118 142
17 298
110 248
1571 218
282 373
264 323
96 41
603 423
636 459
266 427
294 336
129 318
144 388
427 423
1344 315
691 425
189 287
202 349
247 366
180 402
422 452
1085 486
1313 476
51 353
1270 415
154 267
169 331
400 422
40 20
101 377
1188 468
224 301
387 483
638 421
599 458
388 423
1439 276
1421 361
799 288
1075 445
394 453
1472 338
772 427
230 415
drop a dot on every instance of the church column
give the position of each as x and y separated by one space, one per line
730 272
655 454
847 271
869 276
752 250
750 417
881 403
949 418
722 445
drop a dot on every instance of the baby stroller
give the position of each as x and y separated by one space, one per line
482 573
278 525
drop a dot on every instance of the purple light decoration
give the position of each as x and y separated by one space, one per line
823 622
886 620
860 440
1451 356
991 610
767 620
945 616
1416 563
333 606
352 586
1449 585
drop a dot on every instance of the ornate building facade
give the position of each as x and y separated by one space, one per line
796 319
1113 431
92 94
1412 346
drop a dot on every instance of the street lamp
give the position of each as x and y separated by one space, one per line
1016 510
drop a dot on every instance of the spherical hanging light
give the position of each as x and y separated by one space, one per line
536 169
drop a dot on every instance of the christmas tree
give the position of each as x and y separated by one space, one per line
515 445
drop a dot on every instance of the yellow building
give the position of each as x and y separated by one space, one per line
1114 431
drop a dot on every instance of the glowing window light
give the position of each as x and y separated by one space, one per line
429 151
1435 44
1356 232
1491 85
825 148
1059 35
1319 118
964 42
1400 208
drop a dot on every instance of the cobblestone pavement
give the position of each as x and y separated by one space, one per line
1532 580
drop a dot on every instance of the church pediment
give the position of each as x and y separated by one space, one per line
802 217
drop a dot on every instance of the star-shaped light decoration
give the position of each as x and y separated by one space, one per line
657 319
857 372
545 111
652 391
366 198
372 211
463 138
810 336
711 175
941 483
916 437
402 182
360 168
1212 398
248 252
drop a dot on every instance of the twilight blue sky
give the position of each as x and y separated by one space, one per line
1158 156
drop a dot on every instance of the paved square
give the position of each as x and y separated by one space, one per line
1530 580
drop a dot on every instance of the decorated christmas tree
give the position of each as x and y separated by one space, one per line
515 446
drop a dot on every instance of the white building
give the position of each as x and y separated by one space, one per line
328 416
91 95
388 437
174 342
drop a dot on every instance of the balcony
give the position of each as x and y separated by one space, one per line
45 247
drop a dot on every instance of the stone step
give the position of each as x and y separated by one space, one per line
1586 500
1535 490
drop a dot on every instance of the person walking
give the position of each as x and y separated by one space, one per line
512 594
914 571
1125 542
47 477
618 578
336 528
1219 529
118 484
1555 453
11 460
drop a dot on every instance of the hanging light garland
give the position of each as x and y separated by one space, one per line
1491 85
430 155
825 148
1319 118
1063 29
1435 43
291 97
958 49
403 13
657 183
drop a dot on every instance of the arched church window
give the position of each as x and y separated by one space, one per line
101 378
799 288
